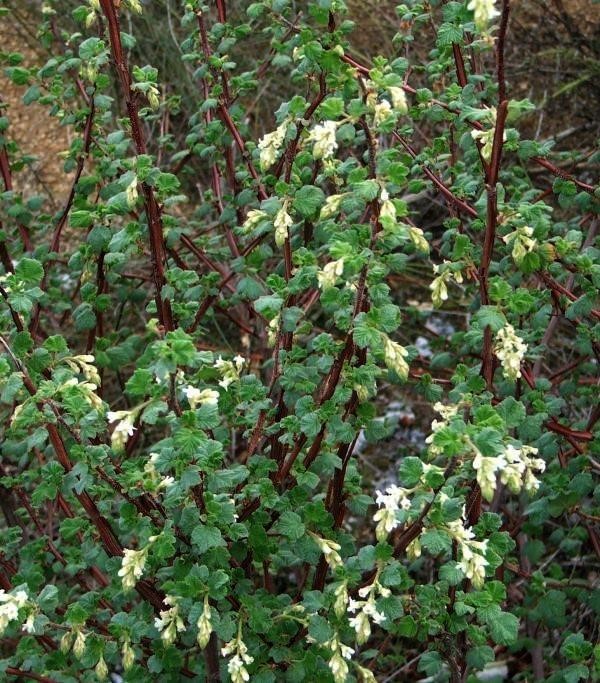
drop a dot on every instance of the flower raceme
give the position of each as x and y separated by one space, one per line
510 350
323 138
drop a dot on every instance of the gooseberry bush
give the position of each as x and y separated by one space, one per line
200 347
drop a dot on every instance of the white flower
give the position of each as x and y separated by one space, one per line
337 663
387 212
418 238
101 669
510 350
514 469
484 11
124 428
204 625
394 499
330 273
270 144
253 219
79 644
10 603
282 223
486 137
28 624
522 242
381 112
323 137
201 396
329 550
170 622
131 193
132 566
237 664
230 370
473 564
341 599
127 655
413 549
399 101
394 355
366 675
487 468
332 206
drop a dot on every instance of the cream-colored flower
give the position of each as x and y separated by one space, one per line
10 604
79 643
510 350
230 370
382 111
101 670
341 599
204 625
387 211
132 566
282 223
330 273
270 144
123 430
237 664
254 218
399 101
487 469
394 357
392 501
127 655
331 206
170 622
131 193
323 138
417 237
201 397
485 11
329 550
522 242
473 564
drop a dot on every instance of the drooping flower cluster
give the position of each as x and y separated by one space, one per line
123 430
473 561
394 356
487 467
366 611
338 661
270 144
328 276
236 666
323 138
392 501
486 137
201 397
133 564
230 370
522 242
516 468
399 101
253 219
329 549
439 285
484 11
84 363
170 622
10 604
204 624
282 224
510 350
518 473
447 413
76 639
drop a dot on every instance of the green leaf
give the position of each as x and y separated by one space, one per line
205 537
308 201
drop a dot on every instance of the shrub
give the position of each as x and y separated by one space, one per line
202 350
